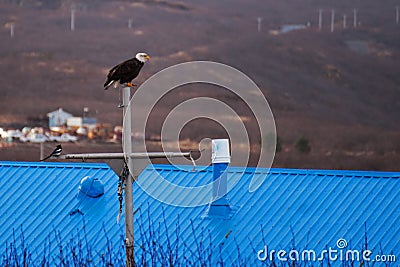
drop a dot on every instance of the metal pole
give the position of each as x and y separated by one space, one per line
72 19
397 15
332 20
344 21
139 155
259 20
12 29
320 19
127 143
41 150
355 18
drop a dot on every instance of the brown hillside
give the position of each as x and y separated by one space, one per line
340 90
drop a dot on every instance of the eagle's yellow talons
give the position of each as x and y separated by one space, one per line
131 84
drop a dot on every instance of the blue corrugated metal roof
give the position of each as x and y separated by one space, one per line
301 209
39 201
307 209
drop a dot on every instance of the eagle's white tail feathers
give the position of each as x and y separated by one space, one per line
116 83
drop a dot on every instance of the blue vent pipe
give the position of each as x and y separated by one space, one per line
220 160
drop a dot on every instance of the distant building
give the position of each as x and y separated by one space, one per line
74 122
89 122
288 28
58 118
79 122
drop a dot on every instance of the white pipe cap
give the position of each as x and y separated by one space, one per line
220 151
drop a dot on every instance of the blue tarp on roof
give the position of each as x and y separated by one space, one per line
293 211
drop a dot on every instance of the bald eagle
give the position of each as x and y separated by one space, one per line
126 71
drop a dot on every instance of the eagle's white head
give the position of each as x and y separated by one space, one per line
142 57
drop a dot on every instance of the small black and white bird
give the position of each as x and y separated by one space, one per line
56 153
126 71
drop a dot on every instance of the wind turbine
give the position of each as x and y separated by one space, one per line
259 20
320 19
72 26
12 29
355 18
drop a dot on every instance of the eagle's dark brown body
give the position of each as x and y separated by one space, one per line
124 72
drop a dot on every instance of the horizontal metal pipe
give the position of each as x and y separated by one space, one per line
122 155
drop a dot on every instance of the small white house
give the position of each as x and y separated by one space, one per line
79 122
58 118
74 122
